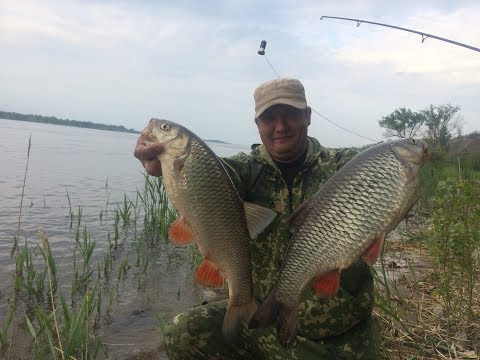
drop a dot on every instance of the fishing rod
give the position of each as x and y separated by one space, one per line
425 36
261 51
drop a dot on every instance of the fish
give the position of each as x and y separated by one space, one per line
212 215
347 219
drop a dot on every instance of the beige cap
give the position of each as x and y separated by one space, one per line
279 91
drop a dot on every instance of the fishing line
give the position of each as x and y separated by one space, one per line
275 71
261 51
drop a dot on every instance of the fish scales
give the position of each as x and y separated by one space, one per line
212 215
374 188
355 208
214 198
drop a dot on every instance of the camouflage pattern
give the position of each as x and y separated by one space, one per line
197 335
338 327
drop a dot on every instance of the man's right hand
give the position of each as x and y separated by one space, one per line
147 154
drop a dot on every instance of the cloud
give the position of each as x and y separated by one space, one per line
405 53
122 62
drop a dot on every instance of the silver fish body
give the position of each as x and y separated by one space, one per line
346 219
212 215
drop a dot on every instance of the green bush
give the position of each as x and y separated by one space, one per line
453 242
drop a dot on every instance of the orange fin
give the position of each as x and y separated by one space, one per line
208 274
327 284
180 232
370 255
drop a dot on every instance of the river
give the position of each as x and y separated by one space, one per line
69 169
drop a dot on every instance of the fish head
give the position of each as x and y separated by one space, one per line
173 136
412 151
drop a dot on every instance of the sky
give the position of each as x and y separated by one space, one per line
196 62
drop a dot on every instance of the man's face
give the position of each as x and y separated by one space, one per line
283 131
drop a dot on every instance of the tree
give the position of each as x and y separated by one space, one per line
403 123
441 122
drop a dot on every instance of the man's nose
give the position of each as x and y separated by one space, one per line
281 122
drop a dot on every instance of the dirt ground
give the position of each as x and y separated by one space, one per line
422 329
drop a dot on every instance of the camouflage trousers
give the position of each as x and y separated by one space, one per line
196 334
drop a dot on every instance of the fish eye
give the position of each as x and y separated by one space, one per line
413 141
164 126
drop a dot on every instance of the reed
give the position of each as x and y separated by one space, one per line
85 248
51 271
12 308
123 269
157 210
125 211
70 212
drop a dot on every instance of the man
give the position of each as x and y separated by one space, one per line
287 168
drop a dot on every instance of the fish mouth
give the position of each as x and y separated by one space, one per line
147 135
417 152
151 130
176 141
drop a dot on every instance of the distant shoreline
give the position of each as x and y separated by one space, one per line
75 123
65 122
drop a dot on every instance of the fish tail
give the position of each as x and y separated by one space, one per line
235 315
273 311
266 314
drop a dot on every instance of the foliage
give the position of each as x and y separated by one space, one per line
473 161
454 242
159 213
441 121
441 167
402 122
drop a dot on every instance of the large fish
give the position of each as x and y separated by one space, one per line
212 215
346 219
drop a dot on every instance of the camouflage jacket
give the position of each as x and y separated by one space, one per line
259 180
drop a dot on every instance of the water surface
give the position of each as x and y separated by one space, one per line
96 168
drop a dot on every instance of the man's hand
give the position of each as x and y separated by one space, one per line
147 154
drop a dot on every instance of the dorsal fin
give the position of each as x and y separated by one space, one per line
258 218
